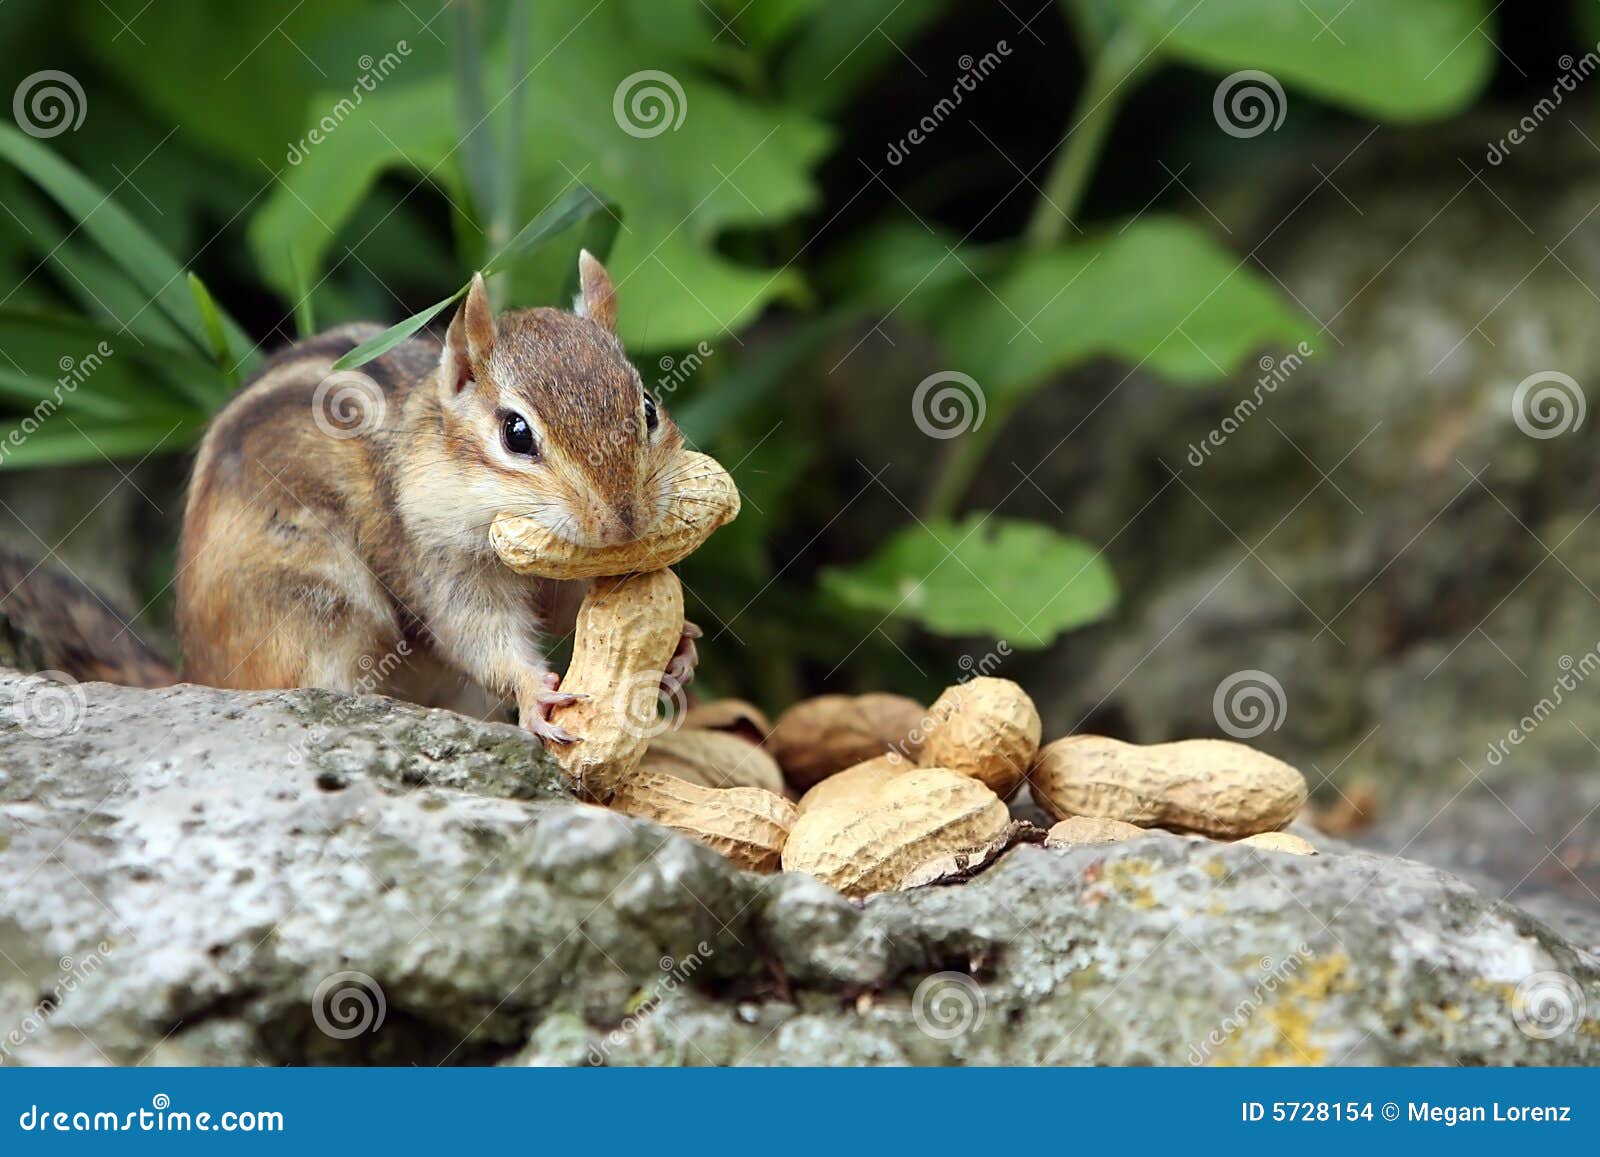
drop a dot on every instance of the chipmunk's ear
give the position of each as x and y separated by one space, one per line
469 341
598 300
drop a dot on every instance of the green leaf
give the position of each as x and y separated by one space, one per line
732 162
239 78
846 45
103 362
305 314
95 283
573 207
138 255
1014 580
31 389
394 335
1389 59
216 334
60 442
1161 294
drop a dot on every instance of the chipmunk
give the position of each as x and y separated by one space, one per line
356 557
309 556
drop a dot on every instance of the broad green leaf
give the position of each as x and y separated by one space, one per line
1161 294
912 270
1389 59
240 78
765 25
730 162
1014 580
138 255
846 45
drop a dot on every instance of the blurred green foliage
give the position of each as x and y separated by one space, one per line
314 195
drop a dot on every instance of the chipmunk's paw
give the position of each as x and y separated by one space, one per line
548 697
680 668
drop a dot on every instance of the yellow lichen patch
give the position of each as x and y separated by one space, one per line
1215 869
1129 879
1292 1011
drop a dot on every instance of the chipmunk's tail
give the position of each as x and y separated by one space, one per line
49 621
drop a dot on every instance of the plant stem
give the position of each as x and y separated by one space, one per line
503 222
960 462
1114 67
1102 98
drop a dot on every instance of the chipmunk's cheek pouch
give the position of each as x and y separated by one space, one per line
703 499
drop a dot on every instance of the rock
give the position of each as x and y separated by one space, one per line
200 876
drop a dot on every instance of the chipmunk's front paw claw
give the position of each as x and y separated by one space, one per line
548 699
551 733
680 669
543 700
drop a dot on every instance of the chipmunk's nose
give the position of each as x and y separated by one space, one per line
623 524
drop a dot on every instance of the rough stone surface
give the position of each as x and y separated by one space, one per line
192 875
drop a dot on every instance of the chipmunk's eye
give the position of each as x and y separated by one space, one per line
651 418
518 435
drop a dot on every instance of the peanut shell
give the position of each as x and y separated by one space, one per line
1210 786
627 631
1280 842
705 499
854 786
987 728
818 737
747 825
712 759
1079 831
734 716
913 818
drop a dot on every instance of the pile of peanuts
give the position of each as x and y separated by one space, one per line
869 793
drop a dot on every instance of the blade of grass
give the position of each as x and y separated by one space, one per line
395 334
125 241
576 206
31 390
305 318
62 444
212 317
